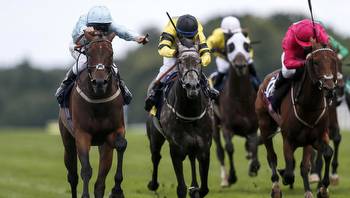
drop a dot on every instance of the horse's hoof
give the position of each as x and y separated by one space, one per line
203 192
153 186
314 178
194 192
287 179
224 183
308 194
323 192
85 196
276 191
118 194
232 179
254 168
334 179
249 155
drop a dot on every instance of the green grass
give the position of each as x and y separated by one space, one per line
31 166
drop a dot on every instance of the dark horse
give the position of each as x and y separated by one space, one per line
185 124
304 119
334 134
96 106
235 112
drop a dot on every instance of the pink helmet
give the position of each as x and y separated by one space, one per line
303 32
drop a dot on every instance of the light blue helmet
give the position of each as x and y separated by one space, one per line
99 14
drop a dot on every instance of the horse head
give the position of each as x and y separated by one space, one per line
322 67
189 67
99 53
238 47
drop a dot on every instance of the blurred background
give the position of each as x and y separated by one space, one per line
35 35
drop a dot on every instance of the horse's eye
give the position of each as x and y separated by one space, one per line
246 46
231 47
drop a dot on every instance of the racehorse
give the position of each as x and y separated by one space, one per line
185 123
96 108
235 112
303 119
334 134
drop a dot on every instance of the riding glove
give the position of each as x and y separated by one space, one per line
205 58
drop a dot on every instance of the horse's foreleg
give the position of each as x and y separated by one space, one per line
120 144
70 159
106 158
156 143
83 142
230 150
304 170
336 141
220 152
177 158
204 160
327 152
193 190
288 173
254 166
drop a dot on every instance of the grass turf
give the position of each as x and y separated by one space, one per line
31 166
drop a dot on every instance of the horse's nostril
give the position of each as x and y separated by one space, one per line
188 85
105 81
197 86
94 81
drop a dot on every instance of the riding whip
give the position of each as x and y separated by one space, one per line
312 18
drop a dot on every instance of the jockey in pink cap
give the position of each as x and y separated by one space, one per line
296 45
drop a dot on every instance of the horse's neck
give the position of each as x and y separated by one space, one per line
310 96
185 106
238 86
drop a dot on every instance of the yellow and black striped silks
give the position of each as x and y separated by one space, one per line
167 47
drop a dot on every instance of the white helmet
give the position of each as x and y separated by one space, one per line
99 14
231 24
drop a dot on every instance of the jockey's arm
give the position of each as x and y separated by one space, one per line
291 61
79 28
167 40
124 33
204 49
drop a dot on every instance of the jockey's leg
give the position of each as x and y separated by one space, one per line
127 95
71 75
156 86
223 67
281 86
254 77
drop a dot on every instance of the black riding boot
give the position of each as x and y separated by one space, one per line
208 91
153 95
70 78
127 95
218 80
254 77
281 88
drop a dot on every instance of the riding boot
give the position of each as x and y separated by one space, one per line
281 88
126 93
218 80
70 78
254 77
153 95
208 91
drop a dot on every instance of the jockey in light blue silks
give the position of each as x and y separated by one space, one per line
98 18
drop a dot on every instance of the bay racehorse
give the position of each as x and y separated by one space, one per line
334 134
184 123
235 112
96 108
303 120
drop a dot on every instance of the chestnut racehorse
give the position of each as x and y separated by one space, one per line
303 119
96 108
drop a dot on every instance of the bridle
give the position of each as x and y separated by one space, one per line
99 66
182 76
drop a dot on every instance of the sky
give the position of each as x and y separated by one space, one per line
40 30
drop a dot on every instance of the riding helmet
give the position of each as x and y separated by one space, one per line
187 26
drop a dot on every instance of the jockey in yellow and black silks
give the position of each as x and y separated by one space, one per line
186 26
217 43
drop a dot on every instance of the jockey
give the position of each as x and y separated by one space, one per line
98 18
188 27
217 43
296 45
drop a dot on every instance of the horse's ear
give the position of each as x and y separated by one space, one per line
111 36
88 36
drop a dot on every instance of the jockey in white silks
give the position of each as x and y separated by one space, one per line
98 18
